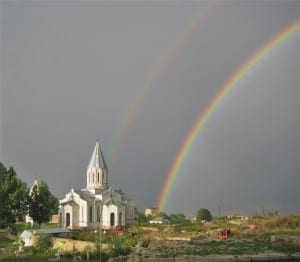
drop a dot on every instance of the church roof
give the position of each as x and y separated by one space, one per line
113 202
97 159
84 194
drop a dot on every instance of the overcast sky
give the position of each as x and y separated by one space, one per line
72 70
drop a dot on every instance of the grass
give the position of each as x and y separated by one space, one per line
28 258
242 241
221 247
5 243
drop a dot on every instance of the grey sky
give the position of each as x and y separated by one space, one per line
70 70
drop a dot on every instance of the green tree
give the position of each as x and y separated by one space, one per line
163 215
42 204
178 219
13 197
140 218
43 242
203 214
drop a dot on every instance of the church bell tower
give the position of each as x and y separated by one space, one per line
96 174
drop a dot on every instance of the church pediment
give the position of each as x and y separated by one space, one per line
70 203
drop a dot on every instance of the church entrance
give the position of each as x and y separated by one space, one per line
112 219
68 220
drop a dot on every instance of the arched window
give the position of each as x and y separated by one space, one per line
98 177
91 214
98 214
112 219
68 220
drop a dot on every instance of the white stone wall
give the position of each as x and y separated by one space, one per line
79 210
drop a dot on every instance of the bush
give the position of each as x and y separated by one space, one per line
95 256
116 252
203 214
289 222
43 242
15 229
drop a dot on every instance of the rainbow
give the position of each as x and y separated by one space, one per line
213 104
123 130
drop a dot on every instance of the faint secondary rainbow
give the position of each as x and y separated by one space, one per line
188 28
225 88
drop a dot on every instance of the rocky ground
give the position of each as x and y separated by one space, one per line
213 249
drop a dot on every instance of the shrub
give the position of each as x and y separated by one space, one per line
289 222
116 252
95 256
43 242
15 229
203 214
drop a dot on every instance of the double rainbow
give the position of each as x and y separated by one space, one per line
137 103
225 88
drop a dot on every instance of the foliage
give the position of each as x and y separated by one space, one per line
13 197
203 214
94 256
98 243
140 218
84 235
15 229
178 219
41 203
119 246
289 222
115 252
163 215
43 242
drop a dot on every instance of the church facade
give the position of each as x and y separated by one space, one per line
98 205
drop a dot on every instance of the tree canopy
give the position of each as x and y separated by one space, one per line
13 197
140 218
16 202
41 203
203 214
162 215
178 219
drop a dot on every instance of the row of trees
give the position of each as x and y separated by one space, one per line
16 202
202 214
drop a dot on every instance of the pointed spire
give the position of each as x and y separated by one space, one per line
35 183
97 159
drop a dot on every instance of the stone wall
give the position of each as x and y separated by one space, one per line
70 245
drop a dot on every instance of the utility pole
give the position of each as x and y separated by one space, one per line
100 241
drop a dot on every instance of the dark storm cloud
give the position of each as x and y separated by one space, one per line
70 72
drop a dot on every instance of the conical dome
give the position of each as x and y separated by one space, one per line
97 159
96 175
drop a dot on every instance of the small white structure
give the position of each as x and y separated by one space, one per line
26 237
159 220
96 206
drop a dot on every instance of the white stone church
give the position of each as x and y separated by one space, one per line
96 206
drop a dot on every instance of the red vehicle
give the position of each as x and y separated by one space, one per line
223 233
